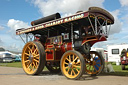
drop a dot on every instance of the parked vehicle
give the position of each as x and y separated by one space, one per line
6 57
124 58
63 44
17 58
114 52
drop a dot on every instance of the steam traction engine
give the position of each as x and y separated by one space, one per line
64 44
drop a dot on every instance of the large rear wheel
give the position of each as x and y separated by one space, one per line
94 63
72 64
33 58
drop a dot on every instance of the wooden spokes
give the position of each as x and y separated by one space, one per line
31 57
72 64
94 63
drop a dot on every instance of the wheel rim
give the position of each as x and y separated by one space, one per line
30 58
93 65
71 65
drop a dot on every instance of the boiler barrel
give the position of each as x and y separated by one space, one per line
45 19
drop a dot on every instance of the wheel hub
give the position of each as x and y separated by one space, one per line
70 65
31 57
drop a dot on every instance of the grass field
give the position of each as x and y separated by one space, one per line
13 64
117 69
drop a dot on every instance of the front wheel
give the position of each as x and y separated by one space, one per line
33 58
72 64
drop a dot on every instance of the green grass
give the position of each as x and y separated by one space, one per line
13 64
118 70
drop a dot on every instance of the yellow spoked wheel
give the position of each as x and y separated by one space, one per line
72 64
33 58
94 63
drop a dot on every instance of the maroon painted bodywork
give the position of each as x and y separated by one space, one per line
55 50
124 62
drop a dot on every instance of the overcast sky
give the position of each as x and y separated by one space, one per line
15 14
